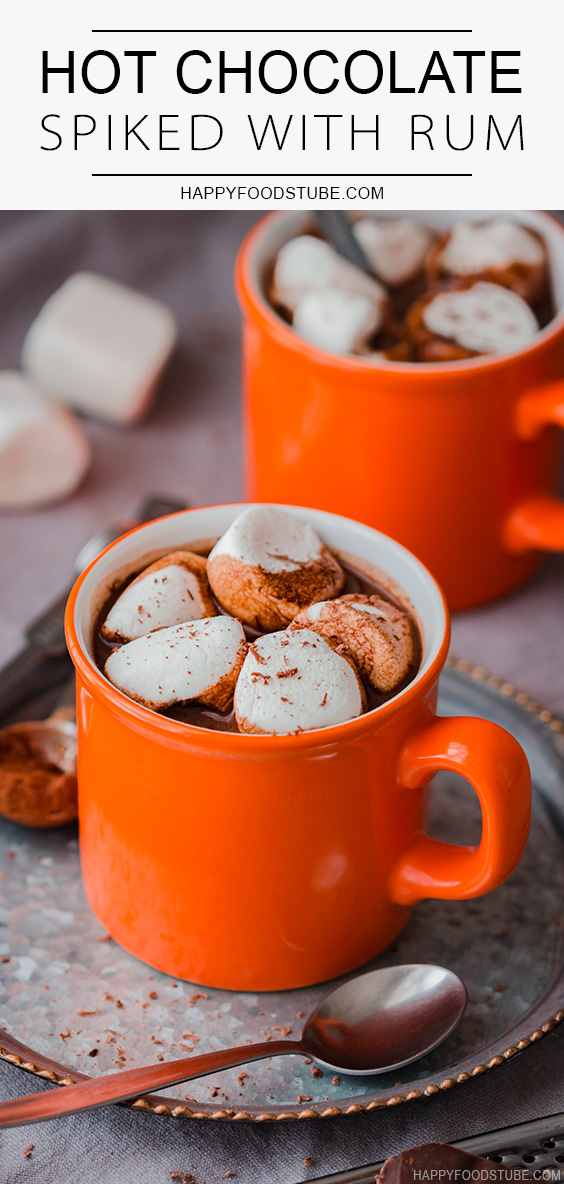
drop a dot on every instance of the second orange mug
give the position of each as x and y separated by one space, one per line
267 862
459 461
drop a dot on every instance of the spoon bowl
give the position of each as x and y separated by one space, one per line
374 1023
383 1020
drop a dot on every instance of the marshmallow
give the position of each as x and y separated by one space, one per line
335 320
100 347
473 247
172 590
268 565
293 682
308 264
374 634
396 249
198 661
44 453
484 318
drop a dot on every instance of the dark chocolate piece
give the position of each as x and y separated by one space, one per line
439 1163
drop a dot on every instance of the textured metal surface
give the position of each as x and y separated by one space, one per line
535 1148
65 992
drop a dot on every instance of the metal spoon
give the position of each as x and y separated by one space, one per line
38 757
374 1023
337 229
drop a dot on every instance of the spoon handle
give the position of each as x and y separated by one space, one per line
119 1087
337 228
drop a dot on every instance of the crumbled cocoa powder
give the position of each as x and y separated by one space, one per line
28 1150
33 790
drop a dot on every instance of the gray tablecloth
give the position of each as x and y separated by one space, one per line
189 448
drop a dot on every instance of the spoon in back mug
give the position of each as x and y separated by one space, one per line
372 1024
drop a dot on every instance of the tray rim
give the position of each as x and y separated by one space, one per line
14 1052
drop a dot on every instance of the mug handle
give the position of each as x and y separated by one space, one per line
497 768
538 522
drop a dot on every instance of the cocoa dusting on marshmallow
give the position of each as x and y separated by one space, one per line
317 673
396 248
499 250
171 591
373 633
197 661
268 565
467 319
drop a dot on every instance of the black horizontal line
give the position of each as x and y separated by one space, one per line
281 30
283 176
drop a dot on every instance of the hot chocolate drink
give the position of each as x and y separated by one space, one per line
338 308
286 636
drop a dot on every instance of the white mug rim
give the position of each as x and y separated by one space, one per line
88 591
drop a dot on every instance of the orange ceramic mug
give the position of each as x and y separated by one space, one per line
457 460
266 862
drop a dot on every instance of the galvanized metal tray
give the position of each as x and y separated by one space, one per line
72 1003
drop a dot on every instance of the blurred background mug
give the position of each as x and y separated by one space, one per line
459 461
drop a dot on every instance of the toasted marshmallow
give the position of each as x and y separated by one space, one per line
199 660
294 682
172 590
308 264
44 453
396 249
342 322
373 633
474 247
485 318
268 565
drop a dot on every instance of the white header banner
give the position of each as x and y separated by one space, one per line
140 106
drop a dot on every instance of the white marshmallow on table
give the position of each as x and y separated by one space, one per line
335 320
375 634
294 682
396 249
268 565
308 264
100 347
485 318
44 453
172 590
472 247
198 660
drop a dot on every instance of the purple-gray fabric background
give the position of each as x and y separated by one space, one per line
189 448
